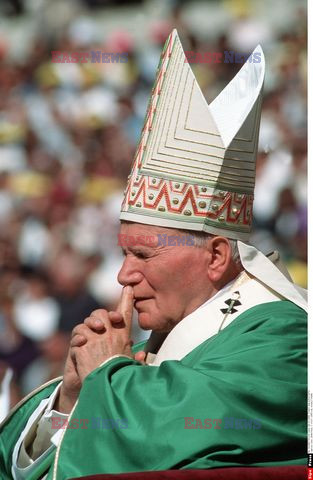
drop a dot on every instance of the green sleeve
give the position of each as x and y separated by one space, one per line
14 424
139 346
254 370
12 427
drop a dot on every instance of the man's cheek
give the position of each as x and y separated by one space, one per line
150 317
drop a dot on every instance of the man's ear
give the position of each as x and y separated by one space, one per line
220 258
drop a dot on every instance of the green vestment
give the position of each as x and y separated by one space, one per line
253 370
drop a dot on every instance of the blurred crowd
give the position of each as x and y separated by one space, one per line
68 134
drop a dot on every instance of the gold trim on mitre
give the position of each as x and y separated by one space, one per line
194 167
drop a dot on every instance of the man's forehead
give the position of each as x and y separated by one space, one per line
142 229
152 236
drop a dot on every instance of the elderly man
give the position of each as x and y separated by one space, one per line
221 381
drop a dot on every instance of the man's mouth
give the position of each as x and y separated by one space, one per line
139 300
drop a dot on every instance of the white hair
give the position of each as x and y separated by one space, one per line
201 239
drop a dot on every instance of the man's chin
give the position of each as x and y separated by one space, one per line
146 321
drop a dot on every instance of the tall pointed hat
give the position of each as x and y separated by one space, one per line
194 167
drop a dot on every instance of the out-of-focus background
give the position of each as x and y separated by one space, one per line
68 133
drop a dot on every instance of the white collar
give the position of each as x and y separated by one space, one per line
210 318
266 284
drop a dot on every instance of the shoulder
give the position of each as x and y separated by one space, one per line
273 315
265 330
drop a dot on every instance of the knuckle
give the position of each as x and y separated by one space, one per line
79 329
115 315
99 312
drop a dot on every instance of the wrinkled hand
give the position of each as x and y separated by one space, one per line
70 387
94 329
103 335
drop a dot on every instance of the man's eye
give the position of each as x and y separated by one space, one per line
140 255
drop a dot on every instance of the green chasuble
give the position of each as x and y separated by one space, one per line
249 379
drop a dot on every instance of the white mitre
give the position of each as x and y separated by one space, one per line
194 167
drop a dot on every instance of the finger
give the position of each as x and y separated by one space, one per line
116 320
83 330
140 356
95 324
126 305
72 353
100 314
78 340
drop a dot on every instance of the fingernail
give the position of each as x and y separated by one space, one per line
98 323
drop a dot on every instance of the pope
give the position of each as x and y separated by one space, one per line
228 324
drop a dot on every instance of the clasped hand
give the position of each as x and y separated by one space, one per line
102 335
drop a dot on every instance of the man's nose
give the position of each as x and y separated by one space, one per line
129 274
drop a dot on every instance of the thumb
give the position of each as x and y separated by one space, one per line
126 305
140 356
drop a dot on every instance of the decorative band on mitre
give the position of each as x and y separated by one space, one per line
176 204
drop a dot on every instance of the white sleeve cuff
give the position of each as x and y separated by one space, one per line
35 437
48 429
114 356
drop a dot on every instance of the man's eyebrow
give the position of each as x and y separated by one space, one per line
140 248
137 249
